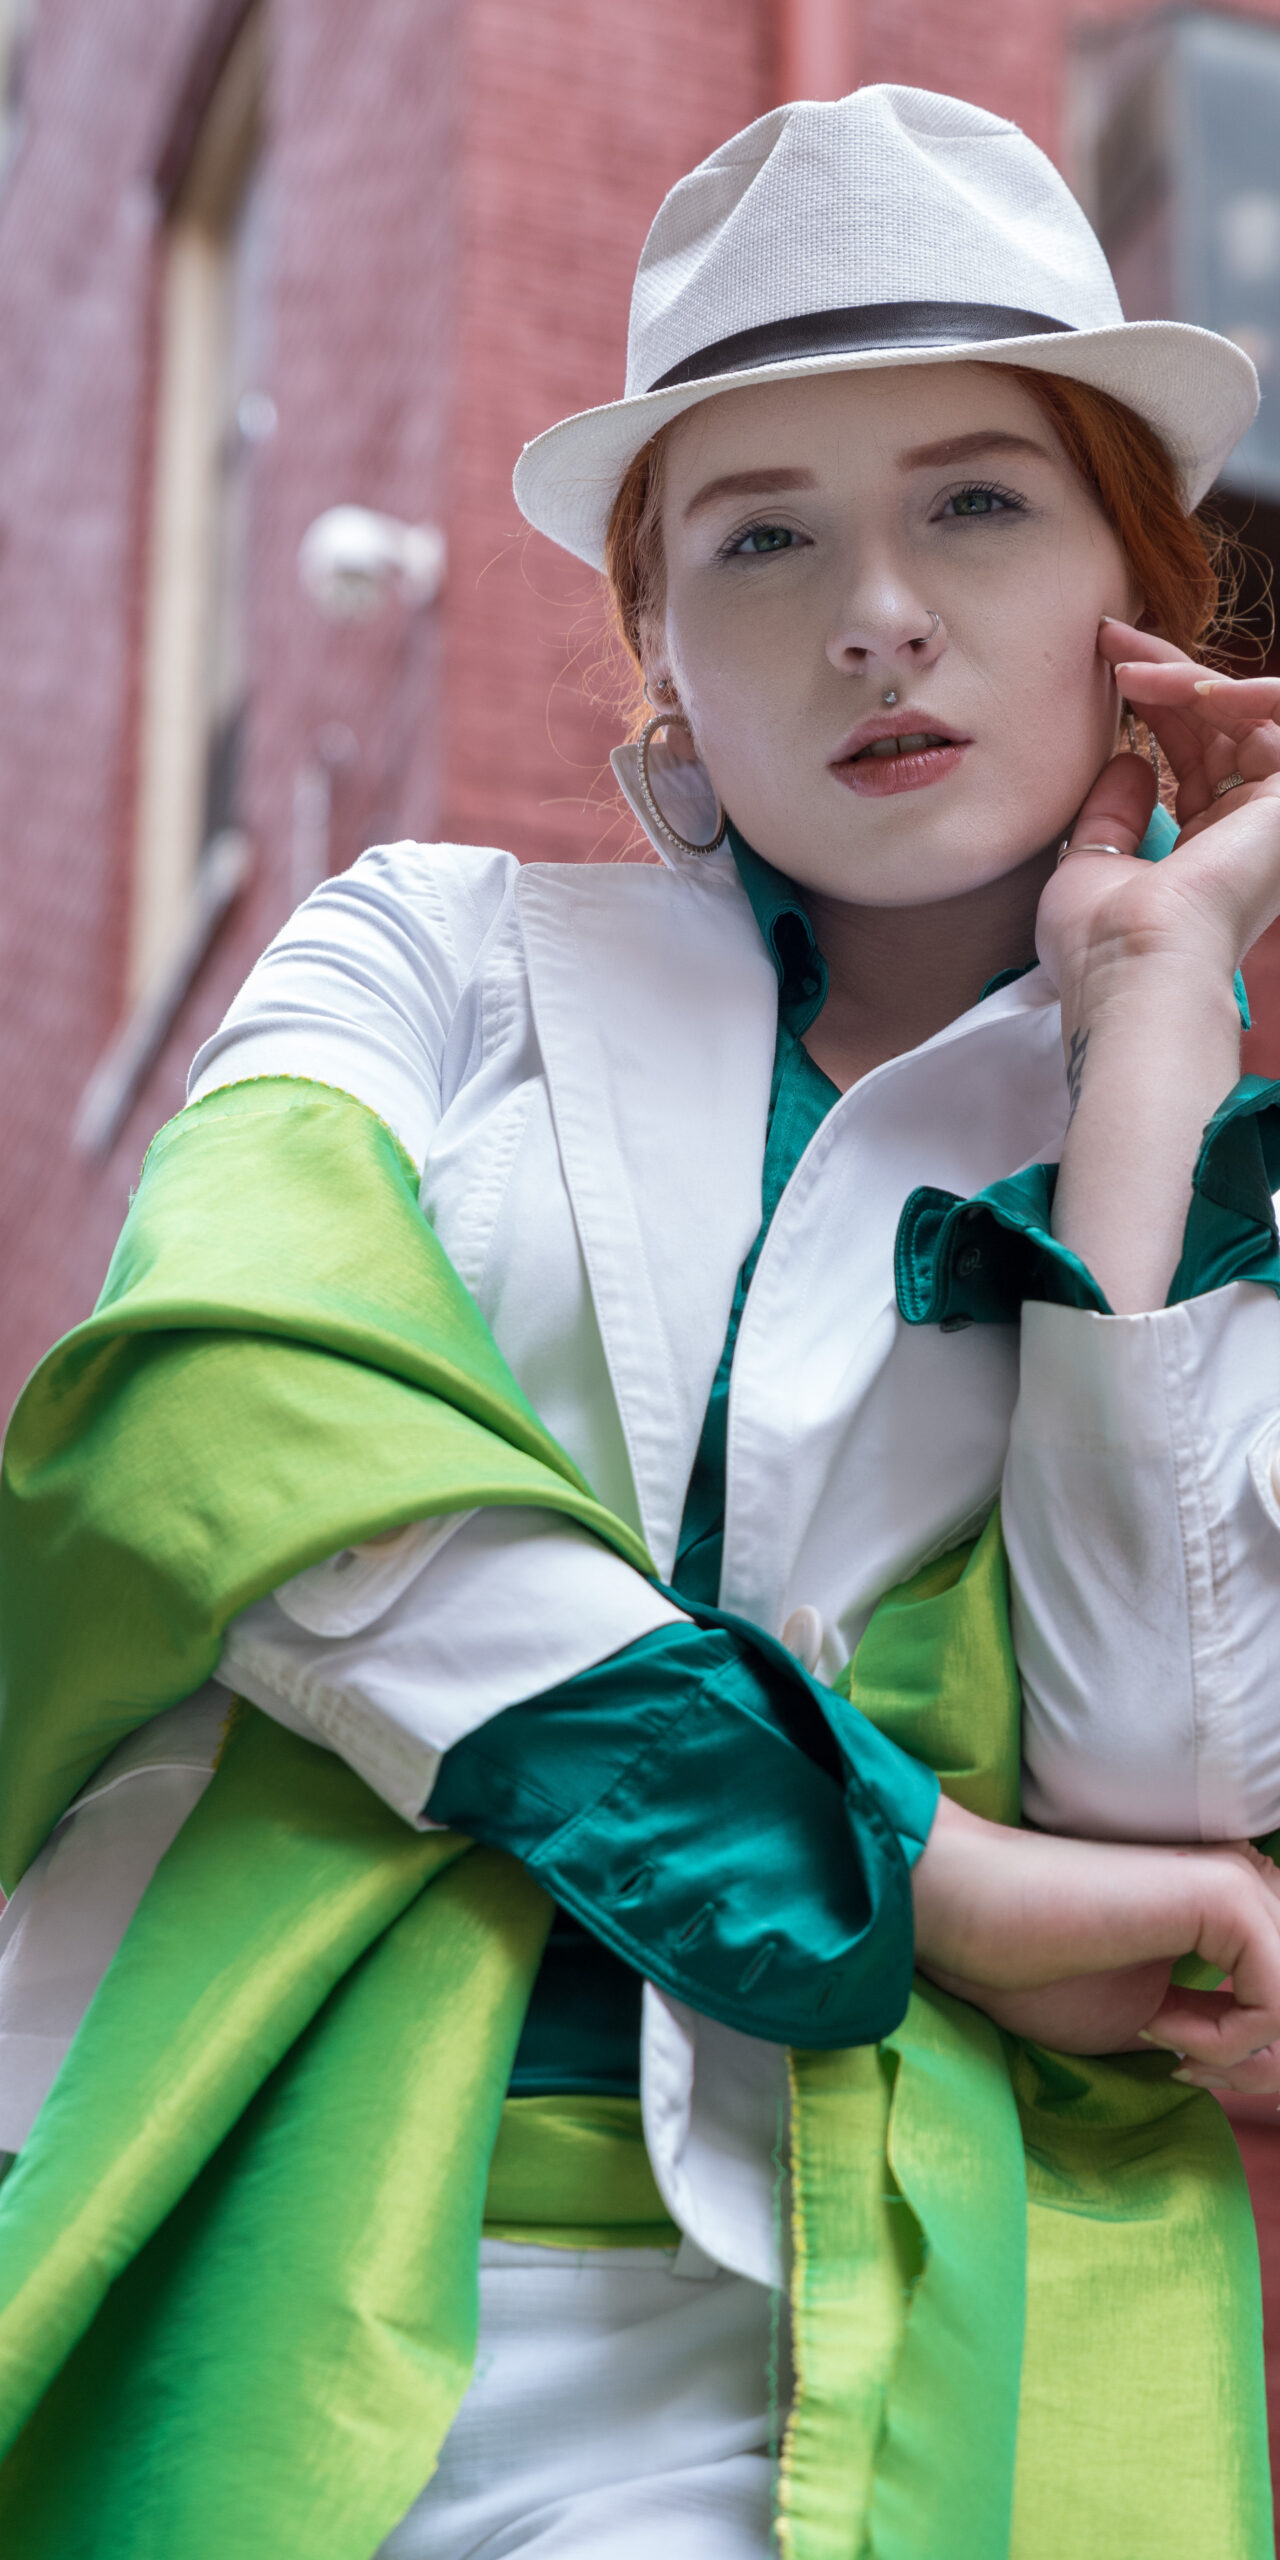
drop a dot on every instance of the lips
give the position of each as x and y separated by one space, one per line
878 761
915 742
908 732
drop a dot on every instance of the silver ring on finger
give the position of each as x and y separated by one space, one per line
1229 782
1091 848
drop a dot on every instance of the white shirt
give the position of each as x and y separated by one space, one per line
579 1059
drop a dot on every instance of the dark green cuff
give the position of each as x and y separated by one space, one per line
1230 1232
726 1826
960 1262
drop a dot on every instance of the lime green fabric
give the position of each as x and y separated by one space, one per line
1028 2317
234 1417
934 1646
572 2172
238 2253
273 2294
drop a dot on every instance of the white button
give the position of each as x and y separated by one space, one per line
802 1636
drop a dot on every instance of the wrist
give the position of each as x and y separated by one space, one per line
1115 985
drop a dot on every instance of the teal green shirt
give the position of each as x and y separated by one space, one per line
799 1100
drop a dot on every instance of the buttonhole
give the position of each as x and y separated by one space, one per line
635 1884
824 1999
760 1963
696 1929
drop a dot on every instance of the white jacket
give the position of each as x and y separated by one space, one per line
579 1057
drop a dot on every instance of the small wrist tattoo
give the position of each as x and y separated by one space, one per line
1075 1070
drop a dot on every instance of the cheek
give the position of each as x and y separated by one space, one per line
1040 668
740 678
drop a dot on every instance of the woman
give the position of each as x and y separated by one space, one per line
809 1217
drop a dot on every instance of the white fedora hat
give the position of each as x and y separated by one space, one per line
891 227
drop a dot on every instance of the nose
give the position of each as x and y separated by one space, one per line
892 634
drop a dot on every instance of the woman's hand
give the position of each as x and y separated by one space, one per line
1022 1923
1143 955
1220 888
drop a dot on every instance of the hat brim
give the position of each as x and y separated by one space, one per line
1197 390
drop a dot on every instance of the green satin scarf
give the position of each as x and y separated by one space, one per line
1027 2311
238 2253
282 1362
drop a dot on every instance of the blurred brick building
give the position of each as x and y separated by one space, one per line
260 260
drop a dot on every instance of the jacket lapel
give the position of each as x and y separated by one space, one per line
655 1007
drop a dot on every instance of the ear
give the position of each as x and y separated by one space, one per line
659 685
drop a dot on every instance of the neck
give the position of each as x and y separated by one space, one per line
898 974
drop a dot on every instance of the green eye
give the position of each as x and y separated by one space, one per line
983 499
764 538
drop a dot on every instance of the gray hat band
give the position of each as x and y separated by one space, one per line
863 328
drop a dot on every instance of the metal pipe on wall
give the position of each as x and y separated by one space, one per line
816 48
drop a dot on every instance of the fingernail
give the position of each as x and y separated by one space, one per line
1206 684
1200 2079
1104 619
1157 2041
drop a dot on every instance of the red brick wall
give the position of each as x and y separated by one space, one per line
461 194
363 111
576 126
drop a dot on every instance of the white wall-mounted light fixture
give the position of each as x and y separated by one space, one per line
351 560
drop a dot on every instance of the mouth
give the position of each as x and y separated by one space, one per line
878 762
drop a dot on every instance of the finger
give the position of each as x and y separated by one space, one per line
1257 2077
1203 754
1210 2031
1182 733
1208 726
1123 645
1117 812
1234 703
1184 2013
1123 641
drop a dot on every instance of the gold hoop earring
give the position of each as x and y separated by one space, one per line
689 784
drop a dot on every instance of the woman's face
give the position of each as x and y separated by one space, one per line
812 530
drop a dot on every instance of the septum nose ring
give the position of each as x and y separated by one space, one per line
921 642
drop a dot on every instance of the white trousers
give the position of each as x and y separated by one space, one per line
618 2412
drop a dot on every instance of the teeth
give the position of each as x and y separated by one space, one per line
886 747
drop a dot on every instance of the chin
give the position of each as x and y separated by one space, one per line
912 882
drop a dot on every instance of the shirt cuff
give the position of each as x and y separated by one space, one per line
959 1262
730 1829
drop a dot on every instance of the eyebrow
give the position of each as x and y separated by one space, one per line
963 448
747 484
922 457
